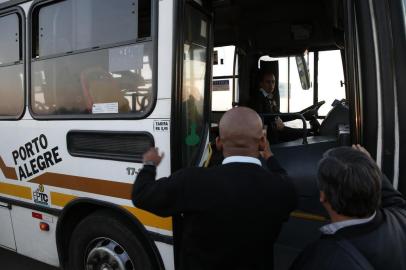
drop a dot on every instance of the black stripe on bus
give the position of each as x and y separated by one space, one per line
32 206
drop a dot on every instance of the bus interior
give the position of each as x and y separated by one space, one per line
250 36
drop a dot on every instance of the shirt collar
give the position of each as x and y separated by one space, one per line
266 94
332 228
241 159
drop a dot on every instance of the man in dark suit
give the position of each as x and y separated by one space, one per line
232 213
267 100
368 229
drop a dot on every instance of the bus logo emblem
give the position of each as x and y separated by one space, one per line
40 196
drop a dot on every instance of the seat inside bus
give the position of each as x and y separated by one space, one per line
279 28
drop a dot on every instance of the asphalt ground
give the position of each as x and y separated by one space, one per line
12 261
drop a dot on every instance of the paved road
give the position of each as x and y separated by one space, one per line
12 261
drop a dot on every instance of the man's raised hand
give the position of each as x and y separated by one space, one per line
153 156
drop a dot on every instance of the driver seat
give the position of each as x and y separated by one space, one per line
99 86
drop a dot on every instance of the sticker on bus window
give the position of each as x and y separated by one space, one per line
221 85
192 138
105 108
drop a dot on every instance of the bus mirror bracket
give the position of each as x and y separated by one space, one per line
303 71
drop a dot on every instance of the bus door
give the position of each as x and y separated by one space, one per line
375 58
192 89
191 92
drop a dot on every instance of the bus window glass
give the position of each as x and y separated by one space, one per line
109 81
222 88
81 24
292 97
115 80
330 77
300 99
193 85
9 39
11 67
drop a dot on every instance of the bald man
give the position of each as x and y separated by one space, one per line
232 213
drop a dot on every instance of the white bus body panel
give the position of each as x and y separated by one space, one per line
6 231
30 240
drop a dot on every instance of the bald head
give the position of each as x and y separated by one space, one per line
241 132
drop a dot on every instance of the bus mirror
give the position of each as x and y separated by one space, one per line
303 71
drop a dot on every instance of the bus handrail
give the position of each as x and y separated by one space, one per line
268 117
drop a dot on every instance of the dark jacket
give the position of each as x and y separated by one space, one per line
382 241
261 104
232 213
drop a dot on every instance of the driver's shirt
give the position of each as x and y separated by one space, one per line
271 100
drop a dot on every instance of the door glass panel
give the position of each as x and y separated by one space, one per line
193 84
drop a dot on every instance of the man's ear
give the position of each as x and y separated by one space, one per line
262 143
219 144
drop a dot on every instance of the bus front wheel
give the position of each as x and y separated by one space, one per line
101 241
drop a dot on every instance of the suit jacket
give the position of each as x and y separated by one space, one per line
232 213
261 104
382 241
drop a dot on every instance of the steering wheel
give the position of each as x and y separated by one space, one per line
310 112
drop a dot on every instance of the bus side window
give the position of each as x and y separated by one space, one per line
222 95
92 57
11 67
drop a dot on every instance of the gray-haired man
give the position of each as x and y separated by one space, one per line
368 217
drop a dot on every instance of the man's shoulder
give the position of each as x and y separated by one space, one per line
325 254
194 173
394 221
396 213
193 170
235 168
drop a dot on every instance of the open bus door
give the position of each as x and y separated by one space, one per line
375 68
371 37
191 92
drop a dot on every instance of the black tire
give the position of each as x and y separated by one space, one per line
106 224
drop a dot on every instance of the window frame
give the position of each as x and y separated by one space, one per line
21 14
37 4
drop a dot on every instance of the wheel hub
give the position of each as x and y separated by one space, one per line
106 254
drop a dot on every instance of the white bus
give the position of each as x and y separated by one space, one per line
86 86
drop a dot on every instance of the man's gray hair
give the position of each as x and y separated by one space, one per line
351 182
